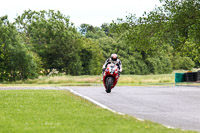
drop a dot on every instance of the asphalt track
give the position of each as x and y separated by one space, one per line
175 106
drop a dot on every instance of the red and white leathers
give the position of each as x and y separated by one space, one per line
117 62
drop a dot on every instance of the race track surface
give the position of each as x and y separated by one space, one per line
175 106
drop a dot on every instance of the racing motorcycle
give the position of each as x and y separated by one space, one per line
110 77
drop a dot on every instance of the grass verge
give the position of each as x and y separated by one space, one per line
86 80
45 111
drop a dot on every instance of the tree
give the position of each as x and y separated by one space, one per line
54 39
91 57
106 28
17 62
90 31
84 28
174 24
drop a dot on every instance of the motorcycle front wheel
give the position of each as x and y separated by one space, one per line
109 83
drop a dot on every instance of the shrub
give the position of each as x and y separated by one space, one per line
182 63
159 65
134 64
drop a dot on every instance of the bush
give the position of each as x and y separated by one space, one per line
134 64
182 63
187 63
159 65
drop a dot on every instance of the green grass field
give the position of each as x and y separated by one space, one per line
56 111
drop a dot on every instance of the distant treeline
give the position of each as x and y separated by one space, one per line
164 39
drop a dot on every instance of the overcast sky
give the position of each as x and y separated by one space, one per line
94 12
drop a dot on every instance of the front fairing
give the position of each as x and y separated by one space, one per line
111 71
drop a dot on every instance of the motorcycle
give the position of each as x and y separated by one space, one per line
110 77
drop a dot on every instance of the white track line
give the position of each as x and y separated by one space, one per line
99 104
105 107
95 102
170 127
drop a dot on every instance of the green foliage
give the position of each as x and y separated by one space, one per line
108 45
84 28
159 64
17 61
106 28
175 23
91 57
182 63
90 31
98 34
59 44
191 50
134 64
183 20
164 39
54 39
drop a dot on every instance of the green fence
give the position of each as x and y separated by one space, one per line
179 77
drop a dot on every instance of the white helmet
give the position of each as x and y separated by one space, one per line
113 57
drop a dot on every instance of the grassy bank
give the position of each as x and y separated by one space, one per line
85 80
96 80
89 80
59 111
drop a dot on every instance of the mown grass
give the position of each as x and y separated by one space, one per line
45 111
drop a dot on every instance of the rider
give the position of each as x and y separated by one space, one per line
113 59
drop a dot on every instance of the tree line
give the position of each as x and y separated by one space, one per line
159 42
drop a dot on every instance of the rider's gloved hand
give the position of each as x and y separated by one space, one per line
103 70
119 73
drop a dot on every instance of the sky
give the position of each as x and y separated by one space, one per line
94 12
